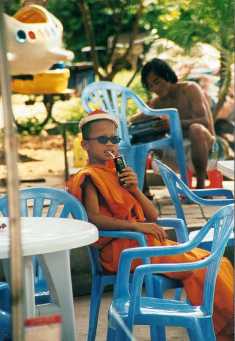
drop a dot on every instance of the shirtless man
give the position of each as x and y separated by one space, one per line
195 115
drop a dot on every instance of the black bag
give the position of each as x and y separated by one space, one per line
148 130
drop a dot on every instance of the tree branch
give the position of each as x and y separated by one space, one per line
135 29
116 17
87 21
117 66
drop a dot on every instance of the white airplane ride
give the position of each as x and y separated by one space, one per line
34 41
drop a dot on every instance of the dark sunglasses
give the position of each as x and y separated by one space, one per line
103 139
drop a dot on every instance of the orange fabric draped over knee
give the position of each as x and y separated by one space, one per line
119 203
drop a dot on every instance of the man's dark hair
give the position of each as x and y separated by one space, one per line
160 68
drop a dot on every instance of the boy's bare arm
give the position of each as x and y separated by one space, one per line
91 203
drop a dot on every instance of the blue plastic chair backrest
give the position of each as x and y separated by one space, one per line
173 184
177 188
113 98
48 202
222 223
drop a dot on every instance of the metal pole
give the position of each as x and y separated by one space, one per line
10 140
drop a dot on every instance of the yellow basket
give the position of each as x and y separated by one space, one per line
50 82
79 154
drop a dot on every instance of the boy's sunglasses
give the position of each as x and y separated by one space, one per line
103 139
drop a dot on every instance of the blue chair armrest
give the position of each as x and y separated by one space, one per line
138 236
197 196
149 269
172 113
222 222
220 192
179 226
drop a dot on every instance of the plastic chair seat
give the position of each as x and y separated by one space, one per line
160 308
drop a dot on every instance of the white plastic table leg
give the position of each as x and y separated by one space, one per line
29 287
57 268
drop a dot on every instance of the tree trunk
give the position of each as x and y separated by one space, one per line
34 2
87 21
225 79
118 65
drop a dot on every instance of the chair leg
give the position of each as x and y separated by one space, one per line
96 294
117 328
110 334
5 326
158 333
5 303
200 328
180 160
121 334
161 284
178 294
116 335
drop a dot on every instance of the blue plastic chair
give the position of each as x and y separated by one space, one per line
114 98
5 326
156 286
177 188
38 202
4 297
130 308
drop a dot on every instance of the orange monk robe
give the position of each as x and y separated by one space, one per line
116 201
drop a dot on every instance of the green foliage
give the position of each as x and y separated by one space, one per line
72 111
183 21
11 7
63 111
209 21
31 126
186 22
108 18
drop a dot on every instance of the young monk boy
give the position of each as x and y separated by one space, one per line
114 201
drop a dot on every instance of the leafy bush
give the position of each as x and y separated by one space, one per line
72 110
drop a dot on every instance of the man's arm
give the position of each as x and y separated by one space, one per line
139 117
200 110
142 117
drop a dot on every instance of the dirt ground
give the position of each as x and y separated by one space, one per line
41 162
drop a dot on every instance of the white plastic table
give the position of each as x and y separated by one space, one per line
227 168
51 239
